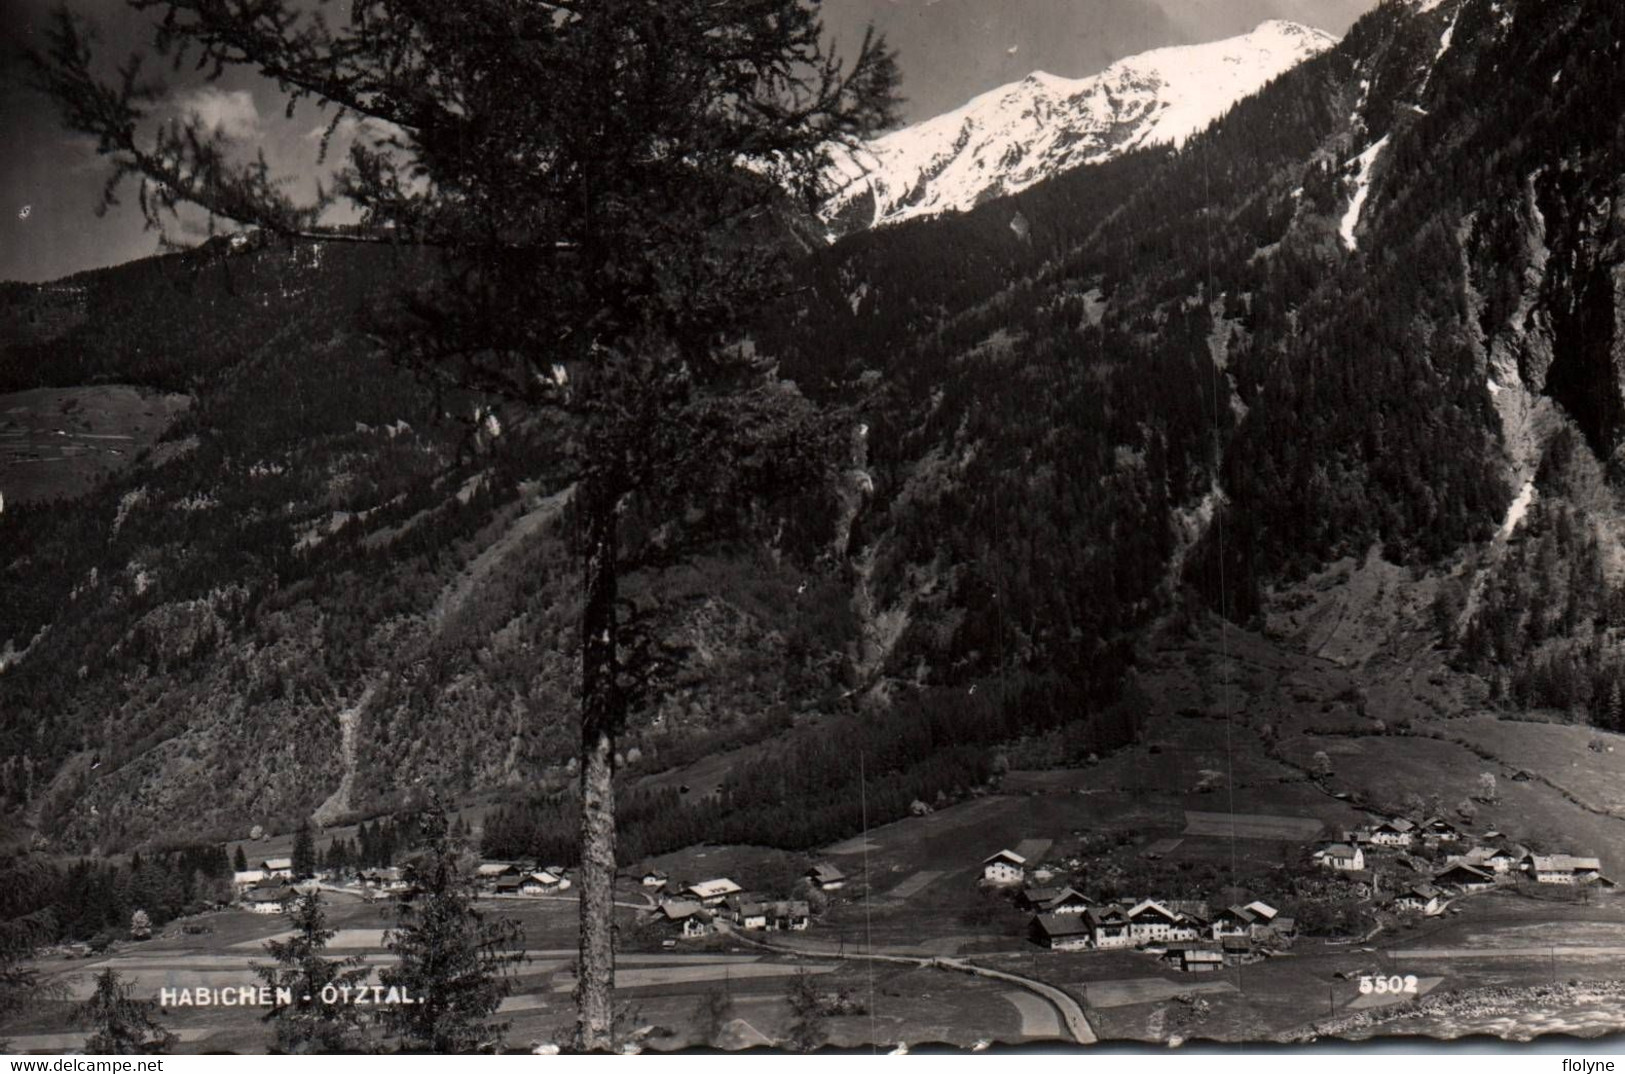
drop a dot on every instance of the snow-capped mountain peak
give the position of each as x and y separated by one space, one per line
1016 135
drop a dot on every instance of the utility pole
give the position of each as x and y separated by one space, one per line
998 601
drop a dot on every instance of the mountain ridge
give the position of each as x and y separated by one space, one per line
1012 137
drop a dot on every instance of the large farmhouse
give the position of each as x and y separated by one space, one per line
1109 927
1496 859
1440 829
1053 900
790 915
1465 878
1068 901
268 899
712 892
489 872
686 917
1565 869
1237 921
1004 867
542 883
1418 898
1151 922
1398 832
826 877
1034 898
1062 932
1265 912
384 880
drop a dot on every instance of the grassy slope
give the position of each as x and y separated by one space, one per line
63 442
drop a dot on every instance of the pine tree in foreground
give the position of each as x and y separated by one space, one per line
615 186
807 1032
118 1024
22 985
320 1020
456 964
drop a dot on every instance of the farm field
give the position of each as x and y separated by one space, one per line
63 441
1137 990
1218 693
1252 826
1559 752
915 884
1383 769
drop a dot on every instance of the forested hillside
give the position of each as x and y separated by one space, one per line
1367 311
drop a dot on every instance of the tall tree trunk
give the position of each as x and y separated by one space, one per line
600 722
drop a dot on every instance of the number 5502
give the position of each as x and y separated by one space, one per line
1384 985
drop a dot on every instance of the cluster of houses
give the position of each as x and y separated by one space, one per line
510 878
389 881
690 918
1185 932
266 888
1470 863
693 910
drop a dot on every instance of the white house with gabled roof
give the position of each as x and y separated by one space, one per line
1420 898
1150 921
1004 867
1396 832
1340 856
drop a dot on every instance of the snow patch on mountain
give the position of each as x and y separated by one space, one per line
1445 40
1518 509
1366 162
1017 135
1447 37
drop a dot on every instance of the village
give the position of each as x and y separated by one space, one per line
1011 916
1410 869
1195 938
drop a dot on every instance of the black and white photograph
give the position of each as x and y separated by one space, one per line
1026 528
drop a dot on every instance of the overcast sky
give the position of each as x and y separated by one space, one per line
949 51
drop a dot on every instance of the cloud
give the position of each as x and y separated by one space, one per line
231 112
